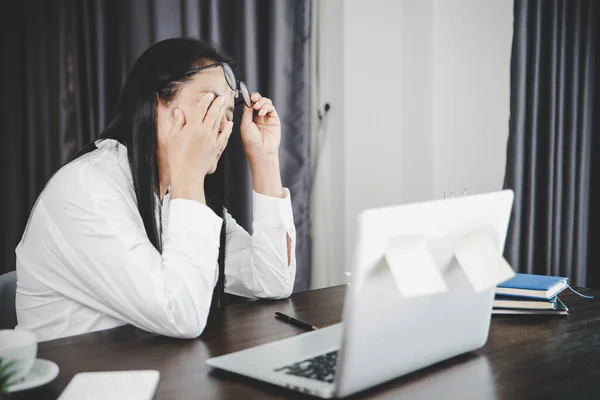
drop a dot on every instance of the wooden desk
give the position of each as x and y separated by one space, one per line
524 358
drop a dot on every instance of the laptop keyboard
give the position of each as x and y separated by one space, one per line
321 368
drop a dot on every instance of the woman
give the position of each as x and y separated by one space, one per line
122 234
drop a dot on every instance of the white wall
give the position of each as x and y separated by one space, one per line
417 100
372 63
471 80
328 195
420 94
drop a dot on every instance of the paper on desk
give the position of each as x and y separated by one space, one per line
114 385
481 261
412 267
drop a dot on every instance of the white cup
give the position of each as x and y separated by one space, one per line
19 347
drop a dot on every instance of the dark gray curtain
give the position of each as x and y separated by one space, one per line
69 59
553 139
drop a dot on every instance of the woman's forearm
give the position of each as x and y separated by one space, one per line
266 176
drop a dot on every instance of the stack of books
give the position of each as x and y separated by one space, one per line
531 294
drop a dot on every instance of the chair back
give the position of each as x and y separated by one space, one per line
8 291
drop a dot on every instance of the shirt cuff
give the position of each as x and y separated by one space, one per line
185 214
273 211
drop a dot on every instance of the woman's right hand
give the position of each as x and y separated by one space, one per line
195 145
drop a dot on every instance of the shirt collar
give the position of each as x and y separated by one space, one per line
121 151
122 158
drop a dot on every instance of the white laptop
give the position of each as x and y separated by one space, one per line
385 335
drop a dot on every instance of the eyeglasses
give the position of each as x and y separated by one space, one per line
231 81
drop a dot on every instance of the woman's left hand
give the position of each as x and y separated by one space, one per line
260 129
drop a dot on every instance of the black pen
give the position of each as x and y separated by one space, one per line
295 322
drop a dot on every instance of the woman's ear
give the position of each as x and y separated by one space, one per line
164 120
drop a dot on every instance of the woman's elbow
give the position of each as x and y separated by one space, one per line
277 292
287 292
188 331
185 324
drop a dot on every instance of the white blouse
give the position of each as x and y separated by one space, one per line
85 262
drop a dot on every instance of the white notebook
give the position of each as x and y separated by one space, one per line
114 385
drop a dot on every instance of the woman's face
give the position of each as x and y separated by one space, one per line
190 92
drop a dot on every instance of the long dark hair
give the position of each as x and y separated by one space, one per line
158 72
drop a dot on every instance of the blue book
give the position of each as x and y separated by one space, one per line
524 303
561 309
533 286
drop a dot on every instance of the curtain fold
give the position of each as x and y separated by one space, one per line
69 62
554 103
